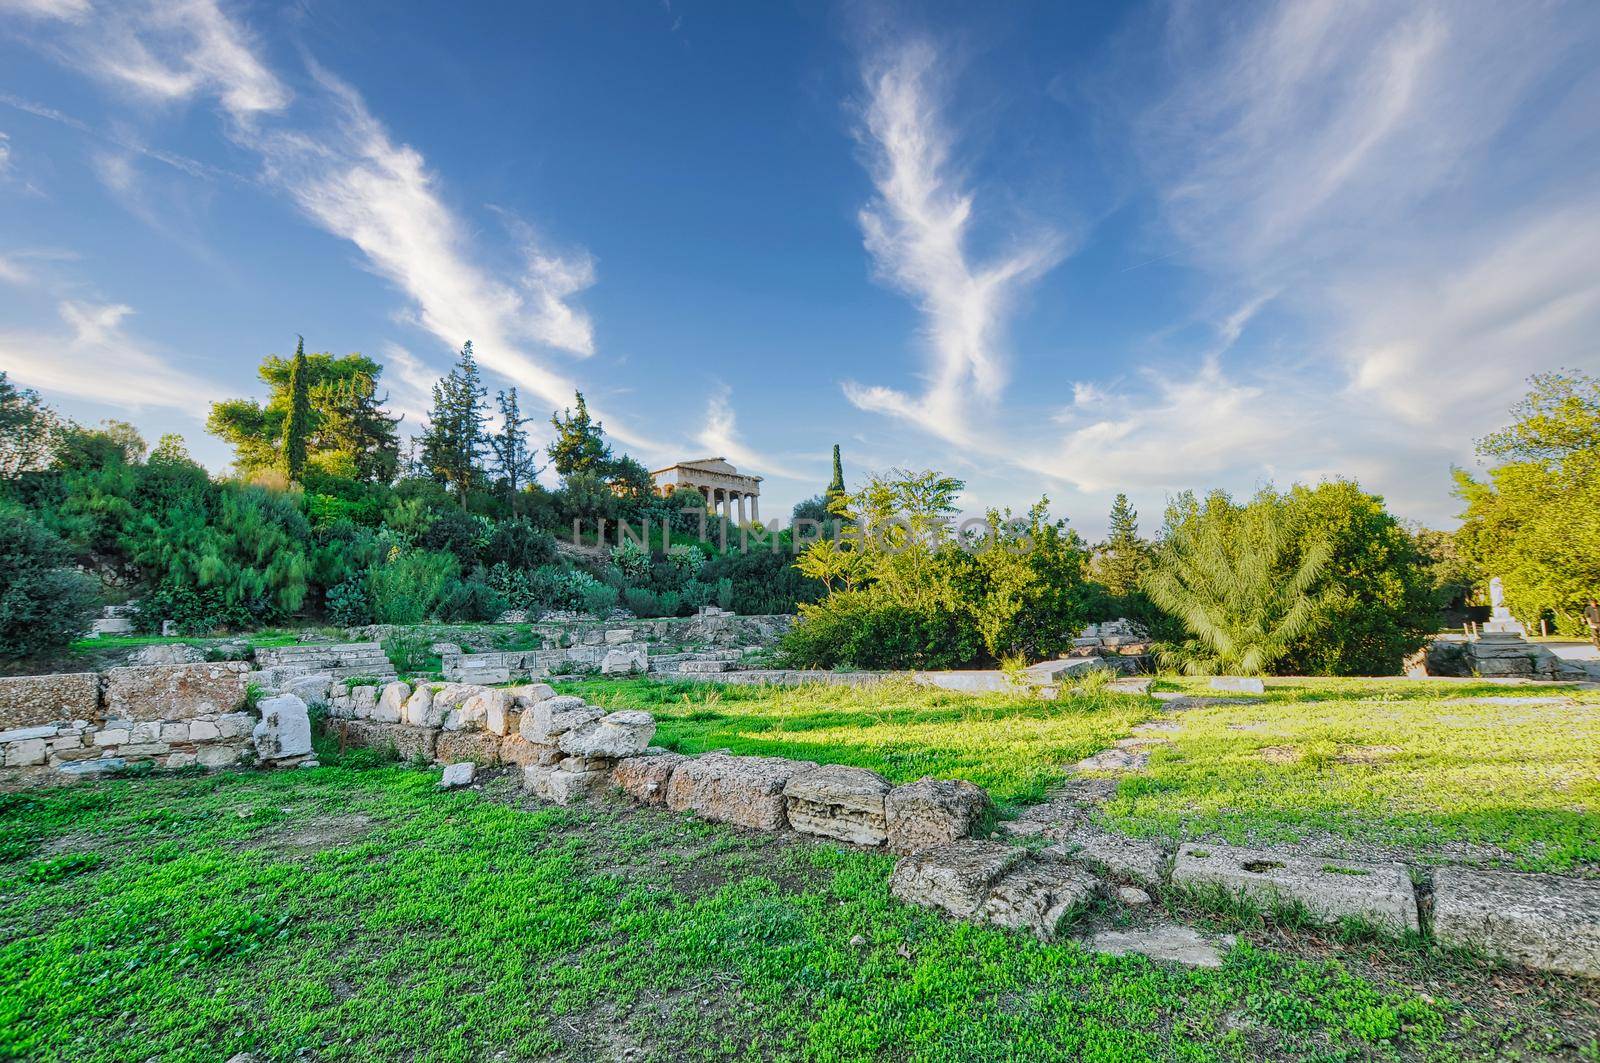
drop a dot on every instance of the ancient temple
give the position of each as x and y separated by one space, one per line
728 492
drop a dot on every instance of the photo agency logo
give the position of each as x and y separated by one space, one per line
890 535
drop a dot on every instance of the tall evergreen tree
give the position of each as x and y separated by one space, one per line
454 437
518 465
1124 556
835 485
579 444
299 423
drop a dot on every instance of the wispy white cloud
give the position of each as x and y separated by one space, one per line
719 435
917 231
5 153
70 10
96 359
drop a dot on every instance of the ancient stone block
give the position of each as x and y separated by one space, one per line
514 749
955 877
1171 942
548 720
391 703
25 753
617 734
1328 889
1238 684
1039 896
932 812
836 801
1542 921
562 787
1119 856
627 659
363 702
744 791
314 690
421 710
284 730
480 747
530 694
644 778
218 755
458 775
31 700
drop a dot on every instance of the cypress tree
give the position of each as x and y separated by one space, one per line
836 485
454 438
299 423
1124 554
518 466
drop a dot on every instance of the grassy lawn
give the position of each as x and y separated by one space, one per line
354 912
1014 746
1397 764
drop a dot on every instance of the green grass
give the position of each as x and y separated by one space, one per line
1396 763
354 912
1014 746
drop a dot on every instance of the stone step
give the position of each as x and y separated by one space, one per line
1328 889
1543 921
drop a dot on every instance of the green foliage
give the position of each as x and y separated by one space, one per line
1535 522
409 585
519 544
29 430
454 438
298 425
1121 561
44 603
348 605
579 444
517 465
1238 579
345 431
835 494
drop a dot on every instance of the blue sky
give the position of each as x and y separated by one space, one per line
1049 248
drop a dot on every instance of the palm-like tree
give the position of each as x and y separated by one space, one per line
1230 575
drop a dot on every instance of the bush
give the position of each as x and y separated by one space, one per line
407 588
196 610
641 601
348 605
469 601
455 532
858 629
519 545
43 604
599 599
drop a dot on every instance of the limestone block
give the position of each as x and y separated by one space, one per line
33 700
628 659
181 760
530 694
232 725
836 801
175 732
421 710
1328 889
1119 856
145 731
458 775
480 747
363 702
1039 897
314 690
1543 921
473 712
451 695
112 736
1170 942
955 877
1238 684
22 734
144 749
496 708
284 730
644 778
744 791
514 749
562 787
26 753
409 743
618 634
217 755
391 703
548 720
932 812
175 692
617 734
169 653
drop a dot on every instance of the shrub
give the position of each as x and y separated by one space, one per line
195 610
598 599
862 630
470 600
641 601
407 588
631 559
43 603
348 605
519 545
455 532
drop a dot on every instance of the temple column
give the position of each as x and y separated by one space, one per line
755 508
740 498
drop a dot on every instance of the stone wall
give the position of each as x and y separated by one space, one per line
1498 655
55 728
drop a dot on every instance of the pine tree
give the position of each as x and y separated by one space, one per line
517 464
299 423
579 444
454 437
1124 556
836 485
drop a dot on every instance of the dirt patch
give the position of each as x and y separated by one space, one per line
1367 754
1281 754
315 835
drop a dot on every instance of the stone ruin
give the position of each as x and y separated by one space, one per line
55 728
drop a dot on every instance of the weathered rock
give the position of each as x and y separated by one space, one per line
626 660
284 730
836 801
562 787
1038 896
1238 684
458 775
1132 896
494 704
480 747
1120 857
1328 889
363 702
955 877
421 711
530 694
311 689
1171 942
391 703
175 692
450 696
617 734
169 653
932 812
514 749
744 791
644 778
1543 921
548 720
